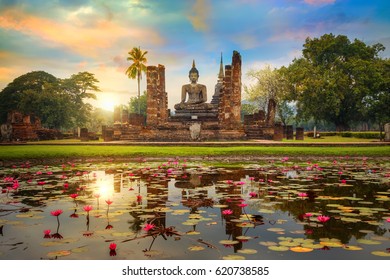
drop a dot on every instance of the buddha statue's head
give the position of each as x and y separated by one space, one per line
194 73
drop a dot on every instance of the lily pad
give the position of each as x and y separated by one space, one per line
312 246
245 225
192 232
381 253
242 237
196 248
300 249
79 249
352 248
61 253
275 229
233 257
368 242
228 242
268 243
247 251
278 248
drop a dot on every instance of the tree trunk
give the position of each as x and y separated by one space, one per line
139 94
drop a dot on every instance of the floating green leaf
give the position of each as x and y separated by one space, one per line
233 257
247 251
278 248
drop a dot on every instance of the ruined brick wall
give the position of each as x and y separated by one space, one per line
229 113
157 98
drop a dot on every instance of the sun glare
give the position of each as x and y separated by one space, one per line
107 102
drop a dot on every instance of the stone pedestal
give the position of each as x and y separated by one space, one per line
108 134
278 133
387 132
289 132
84 134
299 133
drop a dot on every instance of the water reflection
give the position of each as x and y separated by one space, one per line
263 211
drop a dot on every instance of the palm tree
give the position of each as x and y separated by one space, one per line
137 56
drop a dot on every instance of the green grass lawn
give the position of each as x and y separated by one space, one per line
93 151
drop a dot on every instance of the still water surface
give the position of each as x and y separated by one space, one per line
334 209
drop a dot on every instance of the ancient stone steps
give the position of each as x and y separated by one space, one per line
254 132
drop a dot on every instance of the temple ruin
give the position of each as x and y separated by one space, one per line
218 120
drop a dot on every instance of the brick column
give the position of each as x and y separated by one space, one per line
157 100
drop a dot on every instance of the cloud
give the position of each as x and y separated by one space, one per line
246 41
199 15
72 35
290 35
319 2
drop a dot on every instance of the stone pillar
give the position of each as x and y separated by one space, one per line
125 116
278 132
108 134
229 112
157 99
289 132
84 134
271 112
299 133
387 132
235 101
117 114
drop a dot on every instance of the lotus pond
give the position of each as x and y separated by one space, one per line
275 210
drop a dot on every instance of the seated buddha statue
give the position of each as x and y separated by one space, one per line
193 95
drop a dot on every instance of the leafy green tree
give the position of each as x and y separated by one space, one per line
138 104
99 117
269 84
286 112
377 104
138 58
12 94
79 87
333 77
59 103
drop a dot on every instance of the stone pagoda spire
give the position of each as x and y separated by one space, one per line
221 74
218 86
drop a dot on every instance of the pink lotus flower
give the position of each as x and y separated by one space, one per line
112 246
139 198
343 181
323 219
66 185
74 195
41 183
388 220
46 233
39 173
242 205
87 208
56 212
307 215
302 194
109 202
227 212
49 173
309 231
253 194
148 227
97 195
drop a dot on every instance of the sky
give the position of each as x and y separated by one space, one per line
64 37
